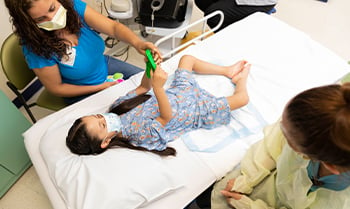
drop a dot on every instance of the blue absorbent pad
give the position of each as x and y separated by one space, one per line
245 121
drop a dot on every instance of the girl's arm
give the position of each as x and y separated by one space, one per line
51 78
145 85
158 79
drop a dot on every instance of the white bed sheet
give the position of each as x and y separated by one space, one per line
284 62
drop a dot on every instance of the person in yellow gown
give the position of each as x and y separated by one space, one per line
303 162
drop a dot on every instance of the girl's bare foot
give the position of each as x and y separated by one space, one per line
242 74
235 68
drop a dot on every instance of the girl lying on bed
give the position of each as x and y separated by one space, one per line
149 121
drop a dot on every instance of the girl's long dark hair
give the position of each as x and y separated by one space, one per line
129 104
41 42
82 143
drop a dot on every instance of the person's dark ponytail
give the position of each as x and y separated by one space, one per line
129 104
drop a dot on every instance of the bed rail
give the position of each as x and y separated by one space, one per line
203 20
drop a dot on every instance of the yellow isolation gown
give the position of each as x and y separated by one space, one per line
274 176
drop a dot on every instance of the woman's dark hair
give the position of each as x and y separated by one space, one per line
80 142
41 42
320 123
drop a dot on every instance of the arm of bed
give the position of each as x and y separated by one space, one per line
204 33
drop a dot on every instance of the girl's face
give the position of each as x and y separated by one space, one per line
43 10
96 126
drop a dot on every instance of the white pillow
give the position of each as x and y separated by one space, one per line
118 178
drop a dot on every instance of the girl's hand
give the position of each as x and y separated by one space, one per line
158 77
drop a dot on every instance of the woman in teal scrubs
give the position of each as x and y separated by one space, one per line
61 45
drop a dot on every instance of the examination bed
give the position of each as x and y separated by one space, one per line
284 61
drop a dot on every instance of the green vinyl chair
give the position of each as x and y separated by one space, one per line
22 80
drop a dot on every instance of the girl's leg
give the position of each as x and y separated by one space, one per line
201 67
237 72
240 95
118 66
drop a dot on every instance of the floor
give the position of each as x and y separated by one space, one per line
327 23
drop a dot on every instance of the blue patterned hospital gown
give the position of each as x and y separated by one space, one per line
192 108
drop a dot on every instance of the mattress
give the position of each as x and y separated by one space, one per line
285 61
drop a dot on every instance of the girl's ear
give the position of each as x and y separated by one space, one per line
105 143
332 168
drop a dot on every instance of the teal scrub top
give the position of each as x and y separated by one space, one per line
333 182
86 64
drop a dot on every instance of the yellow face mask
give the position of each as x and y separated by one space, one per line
57 22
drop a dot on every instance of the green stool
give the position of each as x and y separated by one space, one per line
14 160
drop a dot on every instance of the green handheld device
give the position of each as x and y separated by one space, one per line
150 64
